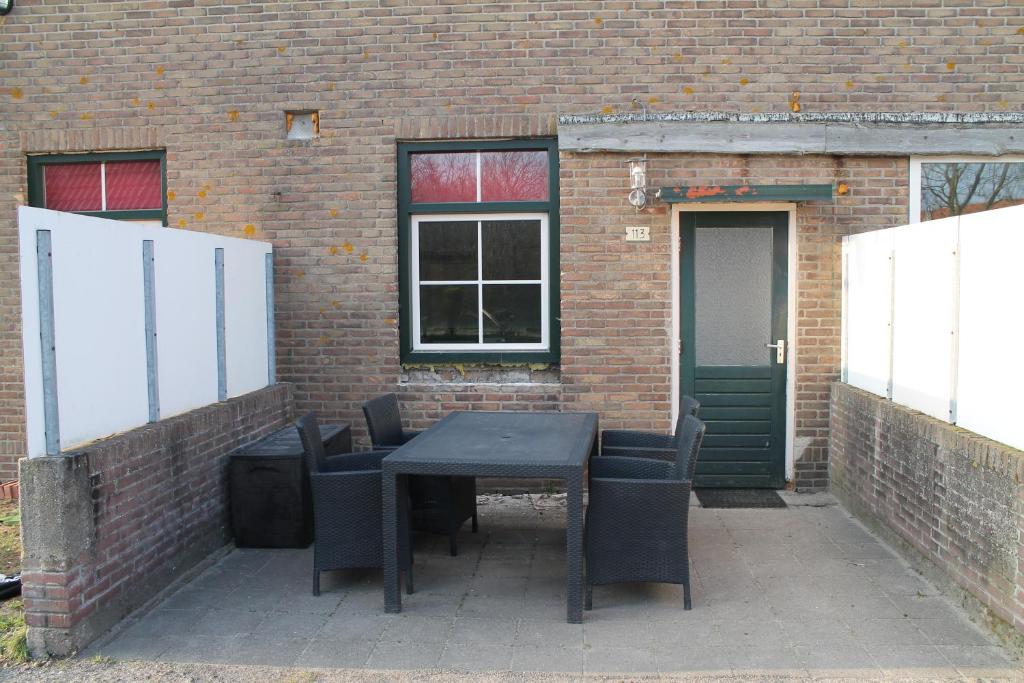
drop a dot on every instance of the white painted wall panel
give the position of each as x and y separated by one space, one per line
245 320
100 322
923 303
990 373
99 326
186 329
868 307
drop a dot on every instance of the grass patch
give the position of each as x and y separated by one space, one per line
13 647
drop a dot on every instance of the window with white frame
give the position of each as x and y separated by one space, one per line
478 246
953 186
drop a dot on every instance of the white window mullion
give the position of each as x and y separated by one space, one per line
478 180
479 265
103 186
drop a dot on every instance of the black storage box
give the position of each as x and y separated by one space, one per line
271 506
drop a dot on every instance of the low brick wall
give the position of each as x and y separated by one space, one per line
952 500
107 526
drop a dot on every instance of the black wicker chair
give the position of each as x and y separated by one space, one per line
347 509
634 444
637 515
440 504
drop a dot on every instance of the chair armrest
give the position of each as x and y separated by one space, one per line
411 434
611 467
638 503
349 462
623 438
668 454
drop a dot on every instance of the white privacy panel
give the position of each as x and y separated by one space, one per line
102 380
99 325
923 315
990 373
867 309
245 319
186 310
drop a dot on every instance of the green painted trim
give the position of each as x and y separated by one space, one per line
36 198
406 209
746 193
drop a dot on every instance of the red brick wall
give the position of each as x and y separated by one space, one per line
209 83
159 501
950 497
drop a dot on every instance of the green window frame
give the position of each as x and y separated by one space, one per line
38 162
476 211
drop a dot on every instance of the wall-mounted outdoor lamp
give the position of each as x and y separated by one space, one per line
638 182
6 6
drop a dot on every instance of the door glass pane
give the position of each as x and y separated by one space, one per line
512 314
447 250
954 189
511 250
733 282
448 314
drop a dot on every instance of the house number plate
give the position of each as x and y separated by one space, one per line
638 233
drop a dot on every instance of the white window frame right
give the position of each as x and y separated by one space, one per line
915 174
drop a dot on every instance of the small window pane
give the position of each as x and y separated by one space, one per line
448 314
72 187
512 314
133 185
511 250
514 176
448 250
952 189
443 177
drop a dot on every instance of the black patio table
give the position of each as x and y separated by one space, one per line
496 444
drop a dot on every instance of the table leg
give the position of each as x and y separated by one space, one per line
392 574
574 549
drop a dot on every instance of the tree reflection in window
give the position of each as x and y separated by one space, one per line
957 188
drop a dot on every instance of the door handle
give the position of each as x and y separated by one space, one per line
780 350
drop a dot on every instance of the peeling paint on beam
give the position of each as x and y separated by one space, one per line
783 134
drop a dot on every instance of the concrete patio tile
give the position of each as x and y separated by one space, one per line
406 628
982 661
615 633
826 661
501 569
143 648
194 597
956 630
251 598
343 626
404 656
617 660
888 632
289 625
424 603
218 622
566 660
925 661
205 650
756 660
693 658
485 607
268 651
364 601
307 603
831 632
491 586
682 634
541 633
477 658
744 633
161 622
499 630
330 653
923 606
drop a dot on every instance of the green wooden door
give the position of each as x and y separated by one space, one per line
733 304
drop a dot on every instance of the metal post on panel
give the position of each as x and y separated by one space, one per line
149 299
271 352
47 341
222 375
844 326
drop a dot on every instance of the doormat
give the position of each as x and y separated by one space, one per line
739 498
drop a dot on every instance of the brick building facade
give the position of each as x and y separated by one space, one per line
210 82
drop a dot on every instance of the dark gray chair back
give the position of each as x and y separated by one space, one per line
384 421
691 433
312 443
688 405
